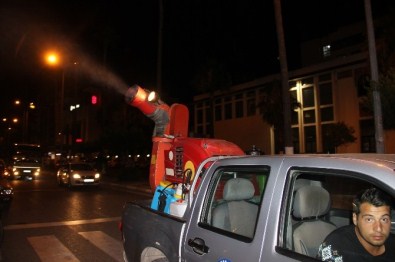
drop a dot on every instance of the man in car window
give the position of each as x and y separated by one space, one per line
369 238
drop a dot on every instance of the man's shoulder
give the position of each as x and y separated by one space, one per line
391 238
341 232
337 244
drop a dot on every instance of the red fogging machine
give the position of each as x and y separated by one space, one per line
175 156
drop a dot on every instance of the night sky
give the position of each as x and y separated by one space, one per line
121 38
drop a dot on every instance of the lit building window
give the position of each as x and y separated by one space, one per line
326 51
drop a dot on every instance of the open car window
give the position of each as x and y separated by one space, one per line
318 202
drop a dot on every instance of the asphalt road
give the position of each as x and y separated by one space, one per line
46 222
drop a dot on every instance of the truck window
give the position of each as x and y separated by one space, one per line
232 205
318 203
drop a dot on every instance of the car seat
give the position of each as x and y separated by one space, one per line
236 214
311 204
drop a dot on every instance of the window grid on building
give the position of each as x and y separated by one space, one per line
228 107
218 109
251 103
316 113
239 105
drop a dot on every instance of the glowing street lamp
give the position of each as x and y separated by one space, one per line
52 58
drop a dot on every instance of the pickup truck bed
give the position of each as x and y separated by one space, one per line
161 231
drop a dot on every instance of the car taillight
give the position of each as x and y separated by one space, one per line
120 225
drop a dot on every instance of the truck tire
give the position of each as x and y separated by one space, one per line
151 254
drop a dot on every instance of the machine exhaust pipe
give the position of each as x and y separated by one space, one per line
157 110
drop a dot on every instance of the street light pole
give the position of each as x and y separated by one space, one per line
61 110
53 59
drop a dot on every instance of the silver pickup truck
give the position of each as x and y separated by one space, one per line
256 208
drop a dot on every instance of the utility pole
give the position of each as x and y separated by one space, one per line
284 79
378 123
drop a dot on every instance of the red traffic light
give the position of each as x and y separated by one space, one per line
94 100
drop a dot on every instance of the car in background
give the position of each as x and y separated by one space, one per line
7 173
3 168
25 168
6 193
4 171
78 174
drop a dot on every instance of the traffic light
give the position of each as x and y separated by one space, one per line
94 99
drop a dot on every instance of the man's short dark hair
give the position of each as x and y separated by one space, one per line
373 196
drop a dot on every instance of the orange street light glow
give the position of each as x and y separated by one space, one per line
52 58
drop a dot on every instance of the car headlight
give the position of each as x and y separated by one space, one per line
76 176
6 191
97 175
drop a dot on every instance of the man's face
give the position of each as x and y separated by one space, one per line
373 225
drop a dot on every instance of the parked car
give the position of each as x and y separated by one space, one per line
78 174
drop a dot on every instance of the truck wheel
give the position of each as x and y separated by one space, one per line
151 254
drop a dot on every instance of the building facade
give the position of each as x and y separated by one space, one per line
328 92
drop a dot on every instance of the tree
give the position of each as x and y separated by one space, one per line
211 77
337 134
271 108
386 85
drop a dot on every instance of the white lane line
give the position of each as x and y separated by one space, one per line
106 243
50 249
62 223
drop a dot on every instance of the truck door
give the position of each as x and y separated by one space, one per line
224 222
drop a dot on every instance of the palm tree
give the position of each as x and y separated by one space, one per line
271 108
212 77
284 79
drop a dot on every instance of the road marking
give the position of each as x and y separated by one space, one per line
106 243
62 223
50 249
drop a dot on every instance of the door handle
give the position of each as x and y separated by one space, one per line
198 246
